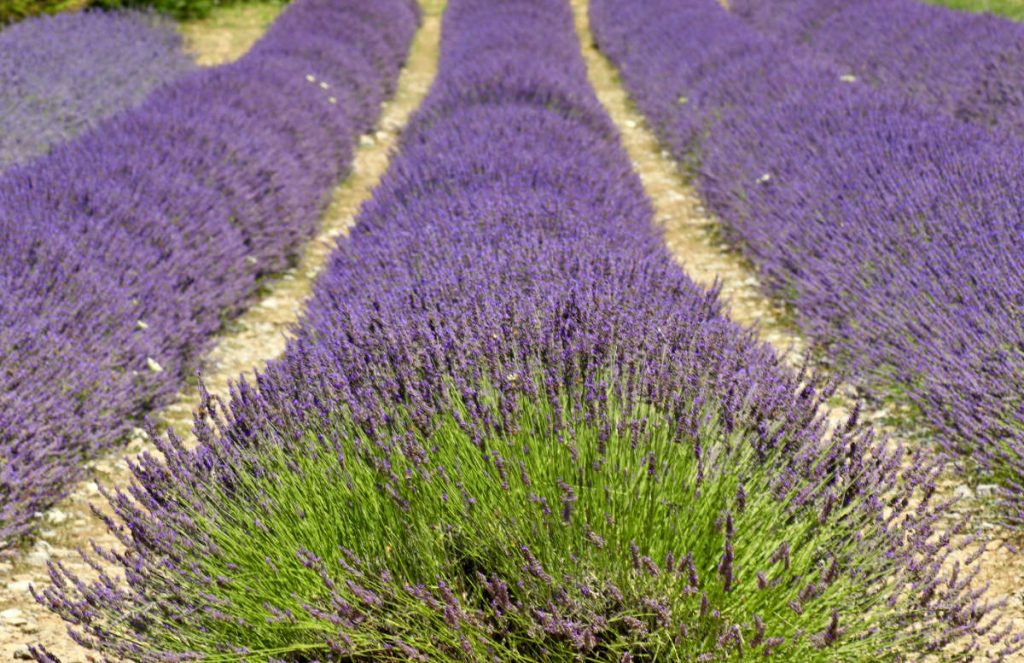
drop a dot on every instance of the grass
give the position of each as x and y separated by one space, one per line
1013 9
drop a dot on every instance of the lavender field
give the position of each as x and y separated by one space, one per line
513 330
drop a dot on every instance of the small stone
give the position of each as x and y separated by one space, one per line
764 179
848 78
153 365
13 616
141 325
29 628
38 558
366 141
963 493
311 78
21 652
381 135
19 587
56 516
332 100
987 491
324 85
631 124
251 260
683 100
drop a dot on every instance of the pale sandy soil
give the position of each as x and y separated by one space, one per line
228 33
257 336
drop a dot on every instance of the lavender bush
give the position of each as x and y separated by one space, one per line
892 231
510 428
123 251
968 66
60 75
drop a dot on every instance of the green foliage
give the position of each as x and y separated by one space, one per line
179 9
15 10
1013 9
596 497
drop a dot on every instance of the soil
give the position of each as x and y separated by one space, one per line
226 34
249 341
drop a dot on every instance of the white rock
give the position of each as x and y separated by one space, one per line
21 652
366 141
153 365
764 179
381 135
963 493
37 558
848 78
19 587
987 491
56 516
13 616
141 325
631 124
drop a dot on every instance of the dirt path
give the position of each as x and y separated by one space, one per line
689 233
257 336
227 33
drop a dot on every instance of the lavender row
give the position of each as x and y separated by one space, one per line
122 252
893 232
509 427
969 66
60 75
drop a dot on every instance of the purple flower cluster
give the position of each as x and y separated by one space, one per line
895 232
60 75
506 285
122 251
969 66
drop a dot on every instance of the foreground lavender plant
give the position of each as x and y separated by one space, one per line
967 66
122 251
510 428
895 233
60 75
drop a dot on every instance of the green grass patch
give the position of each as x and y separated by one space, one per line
1013 9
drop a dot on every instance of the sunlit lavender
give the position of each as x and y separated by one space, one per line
60 75
509 427
125 249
